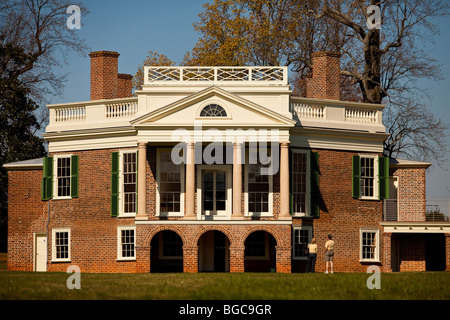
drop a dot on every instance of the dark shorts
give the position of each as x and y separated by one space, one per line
329 256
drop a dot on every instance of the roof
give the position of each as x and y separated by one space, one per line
404 163
27 164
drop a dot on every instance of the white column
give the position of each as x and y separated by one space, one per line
142 183
284 181
237 182
190 182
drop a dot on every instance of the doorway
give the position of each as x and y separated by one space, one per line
40 264
214 193
213 252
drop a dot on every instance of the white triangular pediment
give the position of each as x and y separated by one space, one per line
240 112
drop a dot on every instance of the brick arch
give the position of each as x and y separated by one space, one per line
272 232
198 234
149 235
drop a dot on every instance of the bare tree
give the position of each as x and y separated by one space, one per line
39 27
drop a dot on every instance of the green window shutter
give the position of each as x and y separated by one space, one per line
74 163
291 197
315 191
43 198
356 177
137 175
383 176
47 180
114 184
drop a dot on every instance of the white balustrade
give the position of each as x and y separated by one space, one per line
70 114
310 111
241 75
121 110
355 114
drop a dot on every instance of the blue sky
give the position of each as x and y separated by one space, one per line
134 27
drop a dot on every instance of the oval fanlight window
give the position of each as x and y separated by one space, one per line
213 110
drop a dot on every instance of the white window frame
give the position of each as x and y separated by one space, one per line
377 247
295 228
119 243
55 176
248 213
307 212
266 248
158 179
54 258
121 212
375 177
161 248
222 215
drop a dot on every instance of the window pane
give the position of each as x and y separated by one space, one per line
62 245
255 245
301 237
172 244
63 176
367 176
129 182
369 245
169 184
258 189
299 174
127 243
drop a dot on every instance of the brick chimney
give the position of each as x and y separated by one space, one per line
106 83
325 80
124 85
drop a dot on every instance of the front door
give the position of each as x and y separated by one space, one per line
41 253
214 192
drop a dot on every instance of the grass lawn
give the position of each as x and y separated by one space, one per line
225 286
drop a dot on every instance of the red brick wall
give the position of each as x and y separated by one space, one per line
94 232
411 193
27 214
340 215
412 252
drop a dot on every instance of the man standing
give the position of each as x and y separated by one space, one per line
329 253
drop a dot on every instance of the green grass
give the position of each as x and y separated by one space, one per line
224 286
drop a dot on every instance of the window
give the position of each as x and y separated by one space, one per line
124 183
368 175
258 188
257 245
129 180
300 182
63 176
370 250
213 110
170 185
60 177
61 245
301 238
170 245
126 243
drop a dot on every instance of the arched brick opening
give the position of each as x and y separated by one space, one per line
213 252
166 253
260 253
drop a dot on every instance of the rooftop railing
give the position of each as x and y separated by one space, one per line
93 111
219 75
355 114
